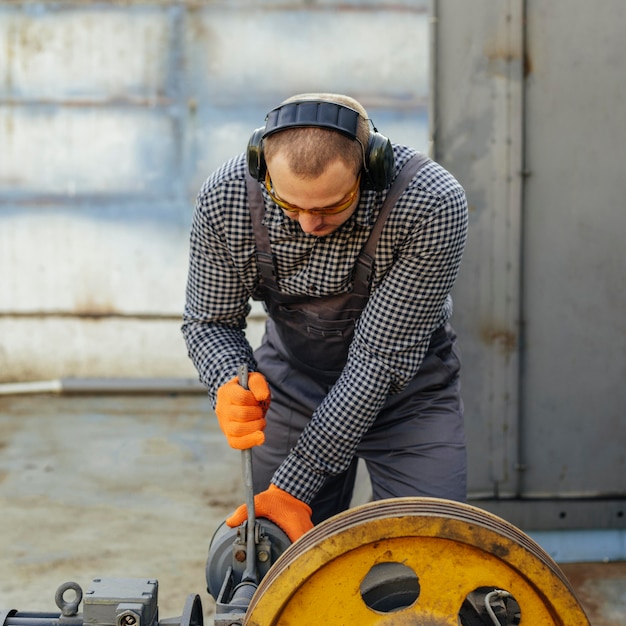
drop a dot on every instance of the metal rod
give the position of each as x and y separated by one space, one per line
246 458
28 620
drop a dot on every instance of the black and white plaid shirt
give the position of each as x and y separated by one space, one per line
417 262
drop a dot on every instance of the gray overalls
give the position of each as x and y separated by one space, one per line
416 446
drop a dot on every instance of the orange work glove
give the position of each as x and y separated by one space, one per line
290 514
241 412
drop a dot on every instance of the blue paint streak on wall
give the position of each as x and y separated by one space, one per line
578 546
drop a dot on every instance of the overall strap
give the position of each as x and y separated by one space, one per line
364 270
264 257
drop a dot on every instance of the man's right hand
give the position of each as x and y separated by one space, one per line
241 412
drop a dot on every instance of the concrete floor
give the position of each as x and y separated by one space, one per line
135 486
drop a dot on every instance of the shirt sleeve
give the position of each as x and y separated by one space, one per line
392 335
221 254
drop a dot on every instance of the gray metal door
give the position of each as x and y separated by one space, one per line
530 114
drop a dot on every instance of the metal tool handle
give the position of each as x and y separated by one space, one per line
246 458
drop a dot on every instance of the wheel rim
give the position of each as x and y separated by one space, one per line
448 550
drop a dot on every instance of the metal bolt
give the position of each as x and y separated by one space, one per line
263 556
240 556
128 620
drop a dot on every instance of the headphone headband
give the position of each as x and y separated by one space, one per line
318 113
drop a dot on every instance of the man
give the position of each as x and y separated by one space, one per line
353 244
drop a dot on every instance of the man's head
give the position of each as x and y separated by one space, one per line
312 154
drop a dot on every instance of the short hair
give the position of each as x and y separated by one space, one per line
310 149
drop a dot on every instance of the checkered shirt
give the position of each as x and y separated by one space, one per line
417 261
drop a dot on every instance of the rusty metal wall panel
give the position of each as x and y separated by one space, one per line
83 94
111 117
240 54
85 263
73 51
70 152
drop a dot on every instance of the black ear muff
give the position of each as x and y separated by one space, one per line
254 155
379 162
378 159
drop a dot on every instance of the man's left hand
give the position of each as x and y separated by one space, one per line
290 514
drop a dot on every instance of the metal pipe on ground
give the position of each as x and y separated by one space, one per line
69 386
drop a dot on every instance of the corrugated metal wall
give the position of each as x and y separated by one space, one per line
111 116
530 116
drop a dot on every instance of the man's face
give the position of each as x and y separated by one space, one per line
331 189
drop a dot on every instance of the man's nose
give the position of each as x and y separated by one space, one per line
309 222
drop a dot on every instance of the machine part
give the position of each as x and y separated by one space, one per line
232 601
192 614
438 557
121 602
228 547
69 608
250 574
226 563
108 602
493 607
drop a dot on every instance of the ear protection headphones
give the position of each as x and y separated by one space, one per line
378 159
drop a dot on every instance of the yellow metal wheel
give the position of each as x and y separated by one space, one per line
411 561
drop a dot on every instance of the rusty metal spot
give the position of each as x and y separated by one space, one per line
528 65
503 338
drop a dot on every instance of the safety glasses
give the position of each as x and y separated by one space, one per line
328 210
